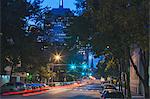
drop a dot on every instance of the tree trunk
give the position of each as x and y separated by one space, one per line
136 70
145 59
120 70
146 94
127 64
144 80
11 72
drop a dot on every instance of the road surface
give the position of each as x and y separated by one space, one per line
90 91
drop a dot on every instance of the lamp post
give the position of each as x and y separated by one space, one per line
57 58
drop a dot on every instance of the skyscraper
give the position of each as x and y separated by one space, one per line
58 18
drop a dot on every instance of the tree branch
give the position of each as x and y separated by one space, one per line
136 70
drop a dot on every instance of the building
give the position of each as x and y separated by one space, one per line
135 83
56 23
56 35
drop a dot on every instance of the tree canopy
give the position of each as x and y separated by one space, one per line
17 41
118 24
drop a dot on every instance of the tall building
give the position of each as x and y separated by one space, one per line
56 34
56 23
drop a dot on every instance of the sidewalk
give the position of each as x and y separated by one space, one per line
138 97
134 94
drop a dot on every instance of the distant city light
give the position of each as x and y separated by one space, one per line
90 57
108 46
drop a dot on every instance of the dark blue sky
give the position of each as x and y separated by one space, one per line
55 4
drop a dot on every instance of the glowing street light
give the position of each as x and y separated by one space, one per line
107 46
28 74
57 57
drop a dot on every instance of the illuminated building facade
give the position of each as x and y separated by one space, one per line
56 23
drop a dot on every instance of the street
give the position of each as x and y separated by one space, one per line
90 91
59 49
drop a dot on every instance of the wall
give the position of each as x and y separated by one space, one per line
135 83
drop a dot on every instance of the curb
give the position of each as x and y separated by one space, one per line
138 97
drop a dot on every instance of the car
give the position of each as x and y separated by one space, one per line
109 86
78 82
112 95
36 85
9 87
29 86
43 86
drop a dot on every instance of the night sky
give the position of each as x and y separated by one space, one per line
55 4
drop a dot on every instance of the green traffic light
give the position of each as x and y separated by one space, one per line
84 66
73 66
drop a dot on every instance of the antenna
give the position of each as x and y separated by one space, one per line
61 3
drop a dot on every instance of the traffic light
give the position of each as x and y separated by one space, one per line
83 73
90 74
72 66
84 66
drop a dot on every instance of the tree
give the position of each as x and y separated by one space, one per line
18 43
120 24
44 72
13 37
108 67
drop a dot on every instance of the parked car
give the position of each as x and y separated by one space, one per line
9 87
109 86
29 86
35 85
112 95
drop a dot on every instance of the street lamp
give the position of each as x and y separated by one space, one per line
57 57
27 74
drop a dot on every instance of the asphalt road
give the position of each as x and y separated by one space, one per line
83 92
